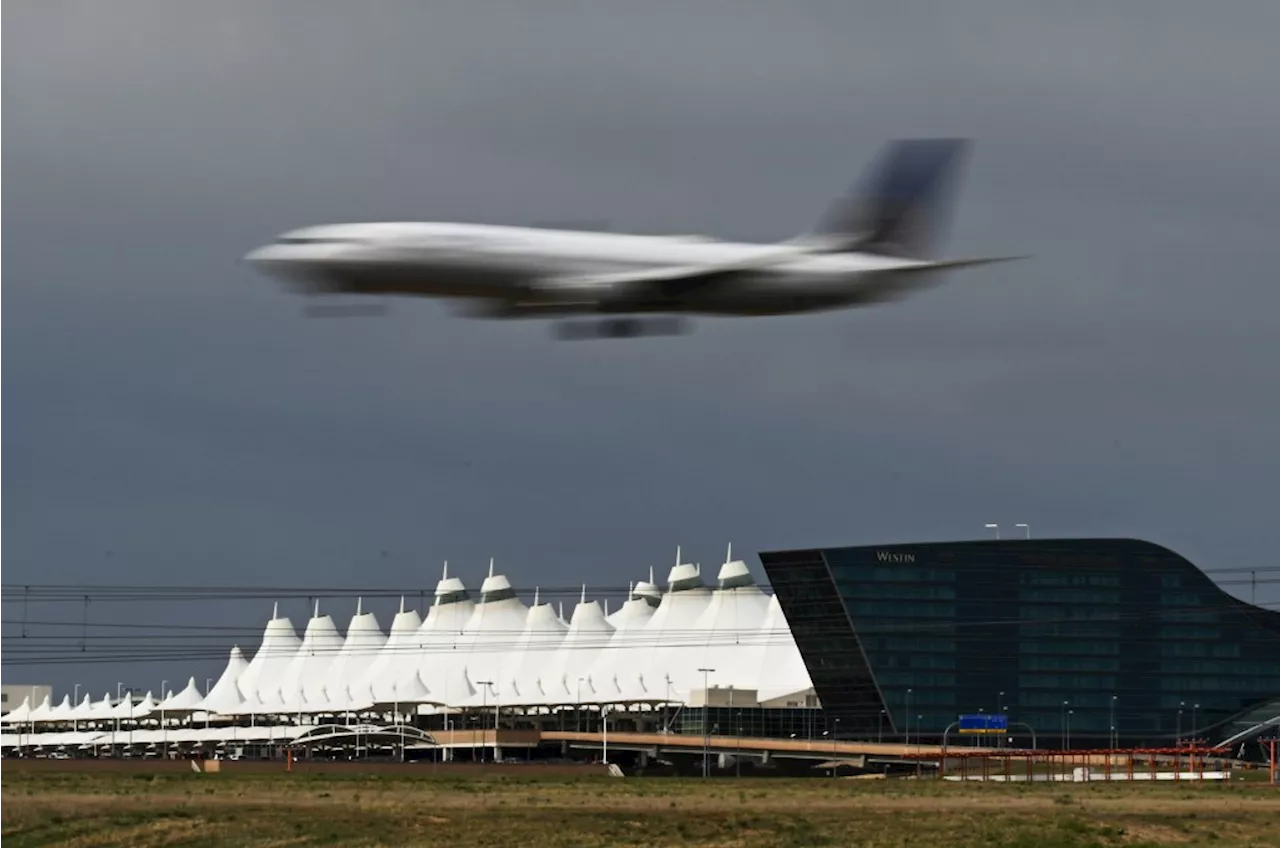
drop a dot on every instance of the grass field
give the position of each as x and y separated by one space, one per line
279 810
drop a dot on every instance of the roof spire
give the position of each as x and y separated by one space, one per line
535 595
677 554
606 606
360 606
728 557
445 576
402 603
490 566
651 574
562 609
275 610
584 593
316 614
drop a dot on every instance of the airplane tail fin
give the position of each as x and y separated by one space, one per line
901 206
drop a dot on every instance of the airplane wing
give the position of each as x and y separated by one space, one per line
664 283
673 282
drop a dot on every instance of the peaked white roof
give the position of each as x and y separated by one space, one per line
127 709
302 687
733 623
41 711
62 712
83 710
442 660
491 634
543 633
397 659
664 663
260 683
186 701
587 636
626 645
225 697
350 668
102 710
20 715
650 649
783 670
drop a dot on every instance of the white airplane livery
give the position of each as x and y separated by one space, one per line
872 246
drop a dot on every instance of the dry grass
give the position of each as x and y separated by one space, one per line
228 809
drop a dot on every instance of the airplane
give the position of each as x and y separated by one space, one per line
872 246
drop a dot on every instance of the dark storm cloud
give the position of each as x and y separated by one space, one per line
170 407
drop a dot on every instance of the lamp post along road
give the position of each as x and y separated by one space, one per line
706 739
484 702
164 727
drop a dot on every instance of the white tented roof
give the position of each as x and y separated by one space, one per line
543 633
626 644
350 668
566 678
489 639
664 663
733 623
492 650
783 671
224 697
41 711
260 683
302 687
102 710
441 654
20 715
82 710
397 659
186 701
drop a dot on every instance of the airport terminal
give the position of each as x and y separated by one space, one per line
872 656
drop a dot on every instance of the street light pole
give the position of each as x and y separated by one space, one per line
1026 528
484 702
995 527
706 739
164 727
1115 737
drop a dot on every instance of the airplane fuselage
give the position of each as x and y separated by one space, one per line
519 271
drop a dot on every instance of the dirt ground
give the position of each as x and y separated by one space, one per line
393 809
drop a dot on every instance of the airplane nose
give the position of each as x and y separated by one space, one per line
260 256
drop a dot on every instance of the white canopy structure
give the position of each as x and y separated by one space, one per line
224 697
21 715
393 673
496 652
183 703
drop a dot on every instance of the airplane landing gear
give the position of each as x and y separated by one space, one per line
620 328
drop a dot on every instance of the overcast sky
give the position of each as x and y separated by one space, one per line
171 417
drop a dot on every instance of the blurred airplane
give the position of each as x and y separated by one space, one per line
872 246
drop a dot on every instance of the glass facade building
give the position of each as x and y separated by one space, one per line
1083 642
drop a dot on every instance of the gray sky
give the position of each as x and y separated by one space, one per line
168 405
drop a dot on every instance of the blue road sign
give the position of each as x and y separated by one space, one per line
984 723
